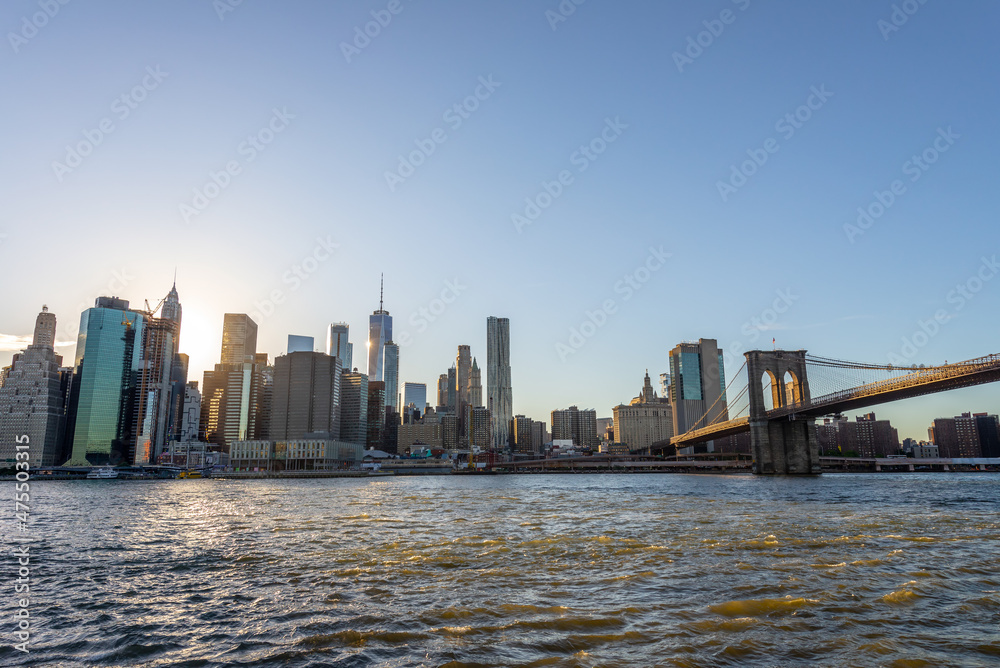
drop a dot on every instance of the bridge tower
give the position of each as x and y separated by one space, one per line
785 444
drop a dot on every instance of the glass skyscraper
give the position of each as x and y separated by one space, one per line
338 345
391 373
108 352
379 333
698 385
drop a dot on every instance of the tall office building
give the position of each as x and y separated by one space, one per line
239 338
698 383
442 391
498 385
172 311
300 344
577 425
390 370
354 407
463 368
452 404
481 436
45 329
33 401
236 394
376 415
306 396
475 384
379 333
415 394
337 344
153 390
102 409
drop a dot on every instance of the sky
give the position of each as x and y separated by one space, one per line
614 177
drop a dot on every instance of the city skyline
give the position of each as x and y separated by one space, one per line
809 239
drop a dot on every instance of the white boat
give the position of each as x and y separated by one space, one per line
106 473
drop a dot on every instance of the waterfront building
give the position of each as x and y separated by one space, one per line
379 333
524 434
646 420
102 402
316 452
499 395
300 344
354 407
967 435
420 432
337 344
697 384
239 338
306 396
33 400
578 426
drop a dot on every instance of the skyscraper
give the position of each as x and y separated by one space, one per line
697 384
337 344
379 333
499 395
153 396
108 353
463 398
475 384
376 414
235 395
32 400
239 338
452 404
390 370
442 391
353 407
416 394
45 329
306 396
300 344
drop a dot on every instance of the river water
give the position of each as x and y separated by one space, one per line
532 570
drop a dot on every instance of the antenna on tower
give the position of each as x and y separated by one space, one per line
381 289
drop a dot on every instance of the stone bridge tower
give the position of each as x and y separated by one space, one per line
783 443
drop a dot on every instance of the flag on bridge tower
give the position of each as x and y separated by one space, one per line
774 344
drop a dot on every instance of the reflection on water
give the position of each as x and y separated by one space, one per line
553 570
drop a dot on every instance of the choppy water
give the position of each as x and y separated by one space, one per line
536 570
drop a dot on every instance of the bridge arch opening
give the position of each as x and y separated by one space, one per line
793 389
770 386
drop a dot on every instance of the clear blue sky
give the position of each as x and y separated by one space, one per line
113 222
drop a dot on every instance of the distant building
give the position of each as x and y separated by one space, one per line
33 401
648 419
300 344
475 384
527 439
482 436
354 407
957 436
239 338
376 415
314 453
866 436
191 413
579 426
379 333
925 451
391 375
988 431
442 392
414 399
698 385
337 344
